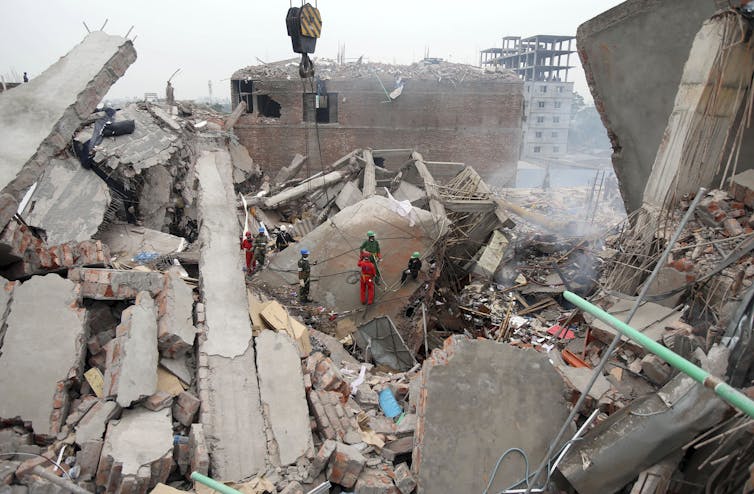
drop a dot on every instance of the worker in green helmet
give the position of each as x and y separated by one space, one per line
372 246
414 266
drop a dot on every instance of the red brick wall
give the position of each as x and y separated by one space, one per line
475 122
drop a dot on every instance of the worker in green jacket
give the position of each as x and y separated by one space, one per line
372 246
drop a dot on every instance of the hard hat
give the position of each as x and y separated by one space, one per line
304 252
416 255
282 228
365 254
261 230
248 234
370 233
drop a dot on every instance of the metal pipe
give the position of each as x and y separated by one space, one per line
614 344
212 483
728 393
62 483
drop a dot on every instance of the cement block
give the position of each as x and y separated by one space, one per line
345 465
281 386
131 366
403 479
40 349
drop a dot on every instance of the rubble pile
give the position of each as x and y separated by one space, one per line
441 71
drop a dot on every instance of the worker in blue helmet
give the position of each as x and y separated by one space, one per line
304 272
260 249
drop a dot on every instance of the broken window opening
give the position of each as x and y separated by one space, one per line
267 107
245 88
541 104
321 108
540 119
558 104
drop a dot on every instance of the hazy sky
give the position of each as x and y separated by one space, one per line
209 40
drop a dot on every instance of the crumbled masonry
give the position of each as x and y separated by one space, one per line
136 348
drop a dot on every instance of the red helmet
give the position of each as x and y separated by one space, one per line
248 234
364 254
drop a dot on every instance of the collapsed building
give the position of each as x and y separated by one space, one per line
156 355
446 111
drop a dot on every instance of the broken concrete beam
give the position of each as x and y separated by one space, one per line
34 382
69 202
198 450
435 204
92 426
112 284
345 465
185 407
333 420
226 374
370 179
175 323
39 117
373 481
303 189
230 122
281 387
131 366
403 479
288 172
453 429
349 195
491 255
138 450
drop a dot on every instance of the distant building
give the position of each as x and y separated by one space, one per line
447 111
543 62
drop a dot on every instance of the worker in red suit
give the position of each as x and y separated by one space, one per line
368 273
247 244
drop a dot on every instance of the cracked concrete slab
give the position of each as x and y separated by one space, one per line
129 240
227 378
40 348
38 118
281 385
69 202
476 402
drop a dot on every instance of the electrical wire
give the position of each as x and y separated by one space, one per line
18 453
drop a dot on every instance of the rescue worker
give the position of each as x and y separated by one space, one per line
260 248
283 239
368 274
304 271
414 266
372 247
247 244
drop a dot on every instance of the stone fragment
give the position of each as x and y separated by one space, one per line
372 481
87 458
333 420
403 479
158 401
402 446
322 458
656 369
345 465
185 407
293 488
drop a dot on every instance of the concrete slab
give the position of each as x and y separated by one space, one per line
126 241
227 377
492 254
131 365
176 328
477 402
38 118
349 195
651 319
335 245
407 191
40 348
178 366
92 426
69 202
138 441
281 385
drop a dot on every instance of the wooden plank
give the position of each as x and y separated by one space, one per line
167 382
278 318
96 381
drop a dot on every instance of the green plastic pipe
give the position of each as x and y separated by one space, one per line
728 393
212 483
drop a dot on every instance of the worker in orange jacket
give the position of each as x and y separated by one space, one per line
247 244
368 273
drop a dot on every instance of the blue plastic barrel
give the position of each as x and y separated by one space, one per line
388 404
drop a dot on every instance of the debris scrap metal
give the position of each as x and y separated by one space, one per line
610 353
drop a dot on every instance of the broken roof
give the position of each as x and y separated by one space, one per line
329 69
